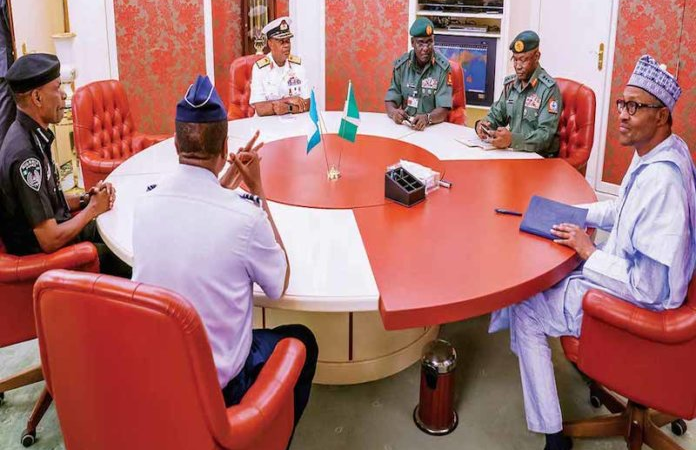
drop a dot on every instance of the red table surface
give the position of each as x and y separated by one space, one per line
293 177
452 257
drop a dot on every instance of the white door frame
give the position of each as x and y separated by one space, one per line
111 38
595 165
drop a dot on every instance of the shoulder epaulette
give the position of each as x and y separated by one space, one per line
509 79
442 61
263 62
546 79
295 59
401 60
255 199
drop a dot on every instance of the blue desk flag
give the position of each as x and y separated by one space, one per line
315 137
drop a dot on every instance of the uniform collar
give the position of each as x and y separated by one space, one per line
197 173
43 137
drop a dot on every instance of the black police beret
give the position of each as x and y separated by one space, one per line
32 71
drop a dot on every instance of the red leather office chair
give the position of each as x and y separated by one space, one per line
105 133
17 276
130 366
240 87
647 357
458 112
576 124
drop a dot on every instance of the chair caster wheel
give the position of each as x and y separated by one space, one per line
28 438
679 427
595 401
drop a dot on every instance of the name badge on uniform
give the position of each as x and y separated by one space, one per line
429 83
412 102
532 101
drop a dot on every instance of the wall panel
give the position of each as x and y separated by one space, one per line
160 50
644 26
363 38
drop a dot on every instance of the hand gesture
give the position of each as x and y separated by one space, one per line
100 202
247 163
420 122
502 138
574 237
231 178
102 185
480 129
398 116
298 105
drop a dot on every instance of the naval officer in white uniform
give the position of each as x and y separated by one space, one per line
279 83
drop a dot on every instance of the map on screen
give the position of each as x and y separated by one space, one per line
473 59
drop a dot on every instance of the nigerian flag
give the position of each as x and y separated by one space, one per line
351 117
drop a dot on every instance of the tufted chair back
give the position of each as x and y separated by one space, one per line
240 87
154 386
576 124
458 113
105 133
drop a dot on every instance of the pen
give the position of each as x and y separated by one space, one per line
445 183
507 211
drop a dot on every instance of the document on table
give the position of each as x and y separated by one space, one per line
475 141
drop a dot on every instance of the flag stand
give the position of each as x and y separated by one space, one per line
332 172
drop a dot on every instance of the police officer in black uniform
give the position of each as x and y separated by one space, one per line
35 215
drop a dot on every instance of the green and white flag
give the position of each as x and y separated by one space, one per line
351 117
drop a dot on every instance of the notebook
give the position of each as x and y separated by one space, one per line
543 213
475 142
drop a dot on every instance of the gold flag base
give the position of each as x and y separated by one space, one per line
333 173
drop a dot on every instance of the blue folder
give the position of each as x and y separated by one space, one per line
542 214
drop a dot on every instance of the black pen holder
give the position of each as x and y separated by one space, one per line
402 187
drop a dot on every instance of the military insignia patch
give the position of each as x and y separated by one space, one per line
283 26
30 170
553 106
519 46
428 30
449 79
532 101
429 83
263 62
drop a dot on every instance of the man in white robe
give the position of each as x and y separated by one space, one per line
648 259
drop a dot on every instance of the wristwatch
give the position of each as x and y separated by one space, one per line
84 200
430 122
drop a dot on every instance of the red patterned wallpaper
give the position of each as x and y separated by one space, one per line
363 38
227 41
685 111
227 38
160 50
653 27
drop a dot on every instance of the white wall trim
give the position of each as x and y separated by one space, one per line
111 38
595 165
208 38
309 25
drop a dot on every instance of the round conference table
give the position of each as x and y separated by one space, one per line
371 278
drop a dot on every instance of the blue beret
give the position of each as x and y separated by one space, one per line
32 71
201 103
524 42
422 27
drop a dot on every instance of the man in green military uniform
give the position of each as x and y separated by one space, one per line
530 104
420 93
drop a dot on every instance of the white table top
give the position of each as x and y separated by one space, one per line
330 268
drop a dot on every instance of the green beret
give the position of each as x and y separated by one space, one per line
524 42
422 27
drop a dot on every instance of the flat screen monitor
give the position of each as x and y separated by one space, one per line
477 58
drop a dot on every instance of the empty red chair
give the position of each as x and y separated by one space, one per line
105 132
576 124
17 276
129 366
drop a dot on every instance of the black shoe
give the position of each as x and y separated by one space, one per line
558 441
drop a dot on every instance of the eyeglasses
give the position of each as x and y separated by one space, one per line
632 106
